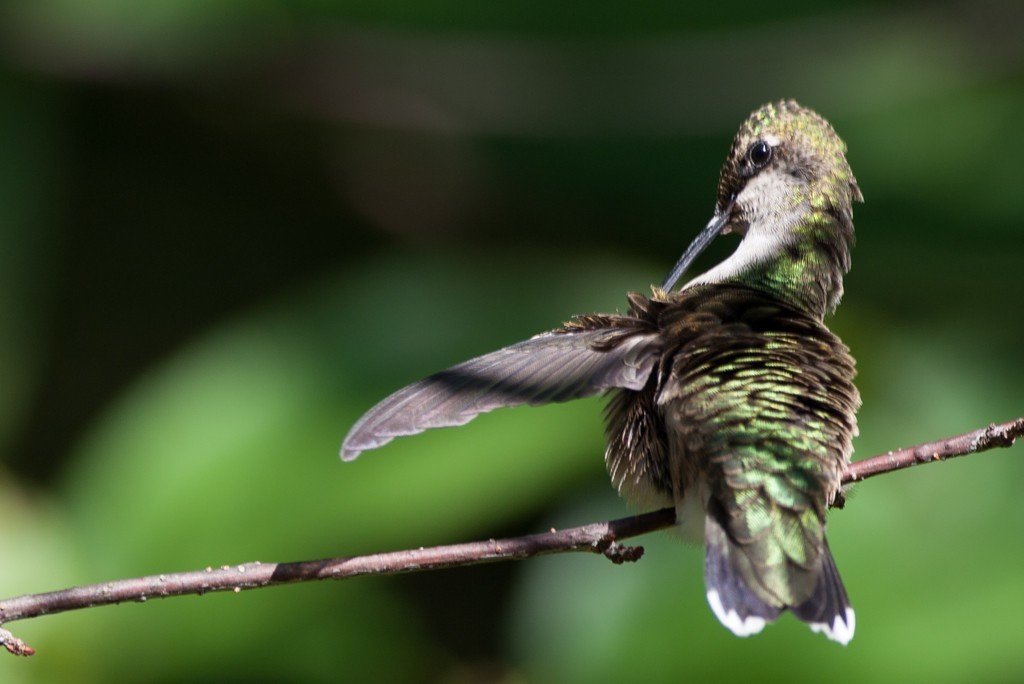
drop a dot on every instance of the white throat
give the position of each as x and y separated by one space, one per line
767 203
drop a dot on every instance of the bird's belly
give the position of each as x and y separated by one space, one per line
642 494
690 512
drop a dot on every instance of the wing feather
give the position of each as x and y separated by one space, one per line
575 362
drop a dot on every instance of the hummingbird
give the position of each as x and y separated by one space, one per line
730 400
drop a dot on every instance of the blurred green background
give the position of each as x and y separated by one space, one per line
228 228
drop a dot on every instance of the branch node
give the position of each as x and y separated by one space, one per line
999 435
15 645
617 553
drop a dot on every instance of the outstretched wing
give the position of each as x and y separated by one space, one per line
585 358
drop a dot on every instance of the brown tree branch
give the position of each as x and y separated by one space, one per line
992 437
595 538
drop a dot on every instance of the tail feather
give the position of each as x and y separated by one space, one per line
744 612
735 605
828 609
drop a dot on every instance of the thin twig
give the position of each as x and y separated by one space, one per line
595 538
991 437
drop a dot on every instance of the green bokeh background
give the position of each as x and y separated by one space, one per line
227 228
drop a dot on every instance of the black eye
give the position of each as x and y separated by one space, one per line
759 154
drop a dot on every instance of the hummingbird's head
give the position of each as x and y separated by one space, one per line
783 157
786 167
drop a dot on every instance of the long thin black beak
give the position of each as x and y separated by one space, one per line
699 244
